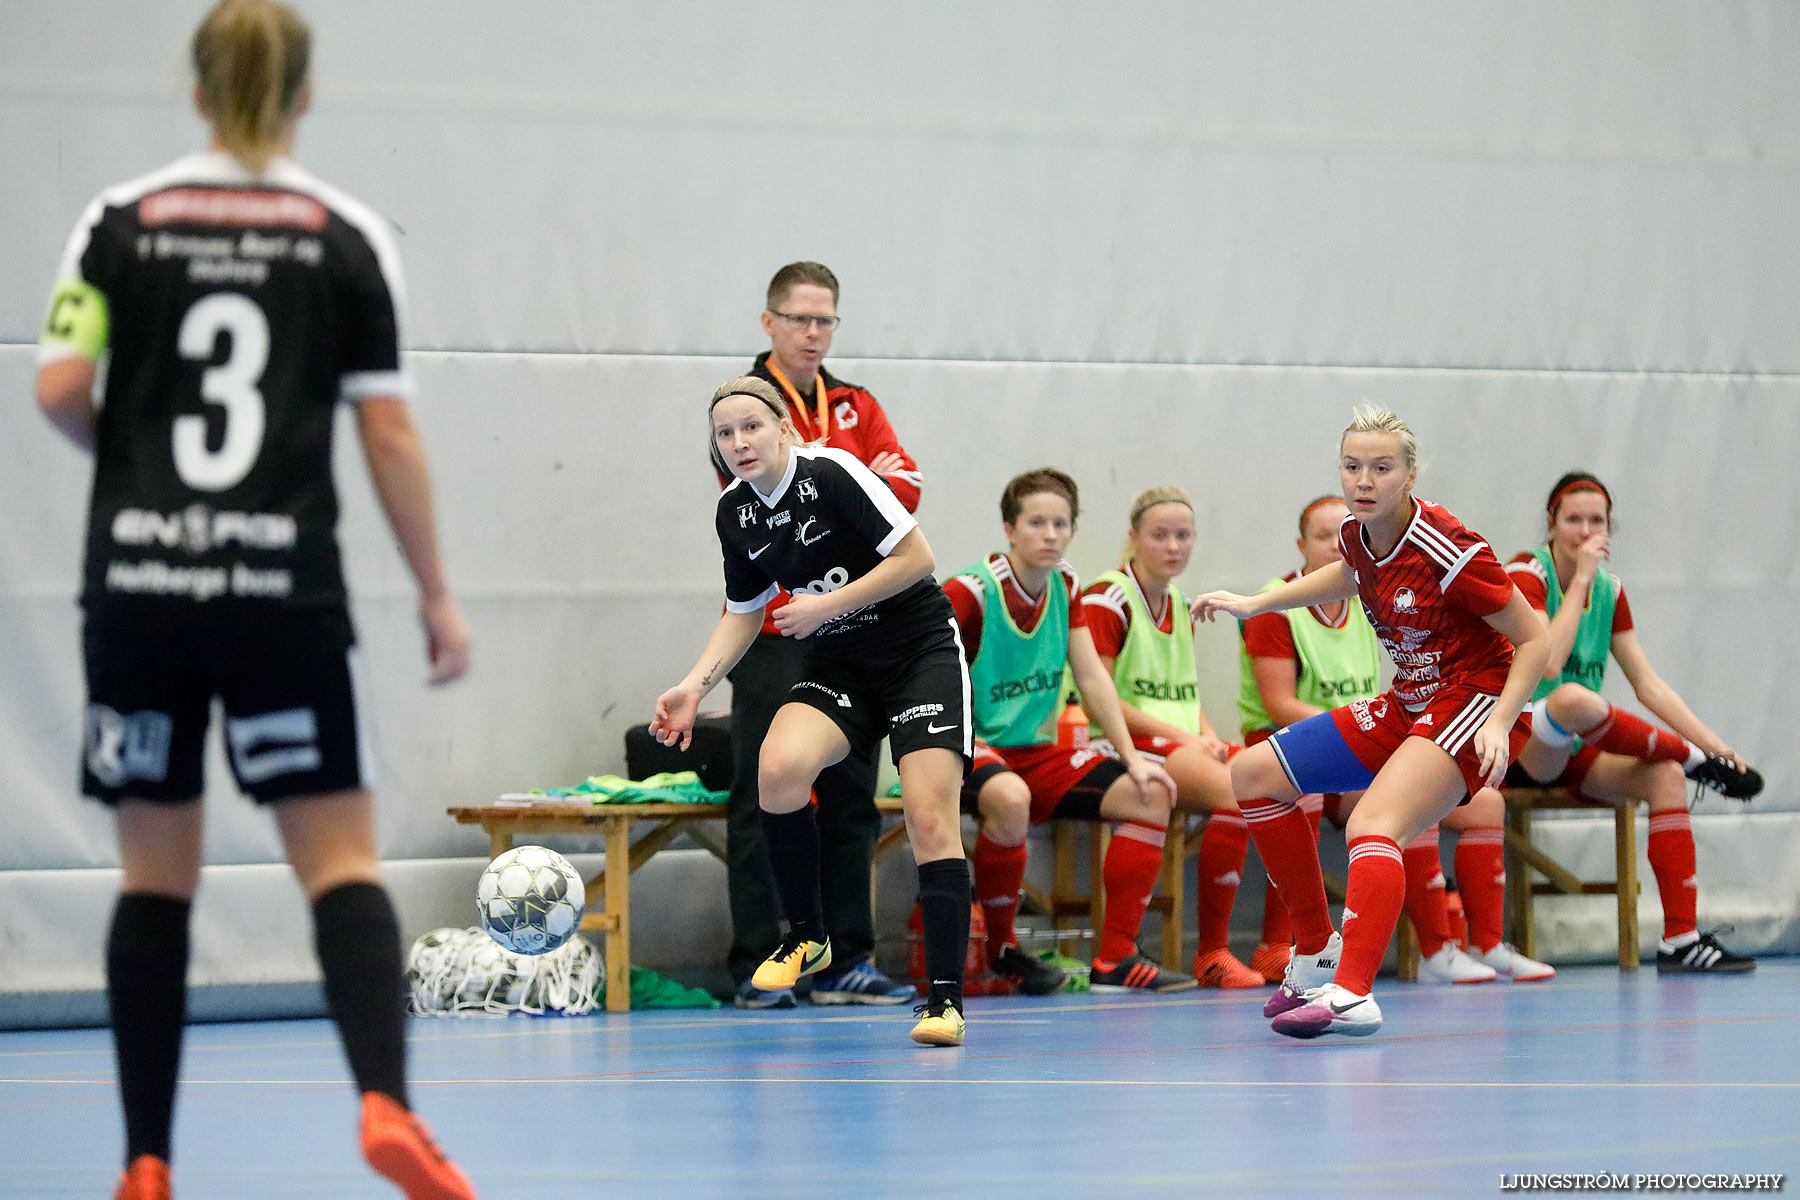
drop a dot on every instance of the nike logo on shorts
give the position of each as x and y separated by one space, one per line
930 728
754 553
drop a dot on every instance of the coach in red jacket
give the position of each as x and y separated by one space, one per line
800 318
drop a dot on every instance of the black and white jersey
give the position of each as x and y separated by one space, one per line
236 312
830 520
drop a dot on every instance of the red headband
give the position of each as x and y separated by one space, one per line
1308 510
1580 485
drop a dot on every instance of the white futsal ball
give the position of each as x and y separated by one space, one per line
530 900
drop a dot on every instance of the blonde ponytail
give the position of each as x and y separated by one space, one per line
250 63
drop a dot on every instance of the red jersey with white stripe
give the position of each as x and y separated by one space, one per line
1528 576
1108 613
968 596
1427 600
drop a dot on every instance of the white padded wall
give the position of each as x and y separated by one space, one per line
1148 243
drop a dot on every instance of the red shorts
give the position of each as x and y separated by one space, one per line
1064 782
1374 729
1574 772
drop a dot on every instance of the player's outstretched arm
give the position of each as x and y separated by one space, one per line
677 708
1656 695
908 562
1328 583
403 484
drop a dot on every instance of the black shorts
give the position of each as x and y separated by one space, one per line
286 681
917 698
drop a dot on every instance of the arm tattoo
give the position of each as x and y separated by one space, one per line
706 680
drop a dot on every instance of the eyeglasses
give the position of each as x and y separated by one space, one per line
802 320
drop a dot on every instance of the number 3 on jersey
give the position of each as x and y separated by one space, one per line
230 384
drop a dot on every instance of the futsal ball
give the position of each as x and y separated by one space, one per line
530 900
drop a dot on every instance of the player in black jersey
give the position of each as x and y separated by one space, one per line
884 658
238 300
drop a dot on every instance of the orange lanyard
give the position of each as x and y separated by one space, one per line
822 422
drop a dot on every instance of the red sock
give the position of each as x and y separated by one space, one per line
1289 848
1481 880
1372 900
1277 929
1223 845
1671 852
1425 892
1133 861
1634 737
999 873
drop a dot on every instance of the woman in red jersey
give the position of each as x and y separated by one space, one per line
1583 743
1142 632
1308 660
1467 650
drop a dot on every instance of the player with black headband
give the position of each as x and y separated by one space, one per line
883 659
238 300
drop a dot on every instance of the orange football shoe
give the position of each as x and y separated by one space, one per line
1271 961
1220 969
397 1144
147 1178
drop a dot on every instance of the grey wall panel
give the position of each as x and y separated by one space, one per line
1550 235
575 503
1593 186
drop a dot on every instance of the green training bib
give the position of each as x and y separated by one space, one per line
1016 678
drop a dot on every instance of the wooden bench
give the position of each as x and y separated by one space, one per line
1523 856
615 825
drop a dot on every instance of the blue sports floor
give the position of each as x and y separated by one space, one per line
1076 1095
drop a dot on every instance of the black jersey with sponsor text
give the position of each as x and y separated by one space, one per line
828 521
241 311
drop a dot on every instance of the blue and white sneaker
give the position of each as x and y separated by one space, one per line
750 996
863 983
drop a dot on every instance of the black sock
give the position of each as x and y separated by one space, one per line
146 990
793 841
944 913
357 937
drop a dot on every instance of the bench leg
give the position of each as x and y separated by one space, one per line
1062 886
499 842
1518 875
618 908
1406 963
1625 850
1174 878
1099 837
